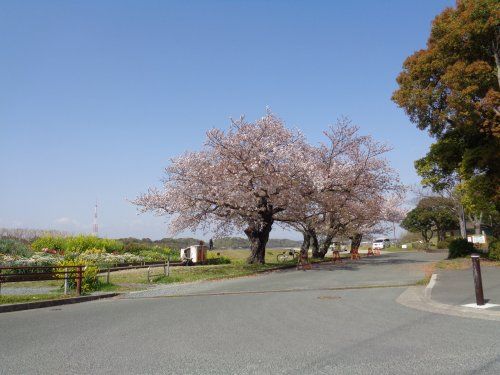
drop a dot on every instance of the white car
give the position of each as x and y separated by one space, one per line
381 243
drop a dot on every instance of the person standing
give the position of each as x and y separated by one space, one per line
210 245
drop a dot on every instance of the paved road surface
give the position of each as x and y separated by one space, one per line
262 325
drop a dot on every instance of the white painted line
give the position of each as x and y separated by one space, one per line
476 306
428 288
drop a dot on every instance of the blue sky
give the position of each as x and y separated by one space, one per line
96 96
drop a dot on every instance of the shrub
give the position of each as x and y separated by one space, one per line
444 244
48 242
102 258
135 248
153 256
460 247
90 281
82 243
14 247
213 258
77 244
494 250
37 259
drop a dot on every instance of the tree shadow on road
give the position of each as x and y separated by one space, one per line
355 265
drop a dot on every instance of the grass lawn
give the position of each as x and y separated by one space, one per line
237 268
464 263
5 299
137 279
34 284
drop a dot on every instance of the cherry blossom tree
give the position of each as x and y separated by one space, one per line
256 174
243 179
351 179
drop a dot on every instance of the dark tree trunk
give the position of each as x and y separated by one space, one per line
427 235
315 245
441 235
306 242
325 245
356 242
478 221
258 235
462 222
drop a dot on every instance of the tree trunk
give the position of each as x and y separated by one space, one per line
306 242
477 220
441 234
315 245
325 245
462 222
356 241
427 235
258 235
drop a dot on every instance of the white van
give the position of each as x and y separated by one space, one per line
381 243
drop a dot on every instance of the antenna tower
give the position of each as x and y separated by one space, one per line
95 229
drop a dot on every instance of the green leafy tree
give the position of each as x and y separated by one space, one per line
440 211
418 220
432 215
451 89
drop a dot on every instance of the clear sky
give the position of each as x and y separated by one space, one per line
96 96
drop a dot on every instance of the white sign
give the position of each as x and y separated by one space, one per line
477 238
480 238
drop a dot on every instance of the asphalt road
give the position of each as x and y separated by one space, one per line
291 322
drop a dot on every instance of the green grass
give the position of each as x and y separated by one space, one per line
6 299
198 273
424 281
136 279
195 273
35 284
464 263
237 268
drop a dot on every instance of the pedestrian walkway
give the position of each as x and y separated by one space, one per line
456 287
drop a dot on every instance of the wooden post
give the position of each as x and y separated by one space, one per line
149 270
79 280
478 282
107 277
168 265
65 281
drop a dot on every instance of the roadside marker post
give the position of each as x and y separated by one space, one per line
478 282
65 281
79 281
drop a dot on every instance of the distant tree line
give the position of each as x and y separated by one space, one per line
219 243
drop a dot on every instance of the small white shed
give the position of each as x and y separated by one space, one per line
195 253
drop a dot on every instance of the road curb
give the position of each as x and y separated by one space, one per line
430 285
418 297
56 302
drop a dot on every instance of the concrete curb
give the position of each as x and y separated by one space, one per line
56 302
428 288
418 297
